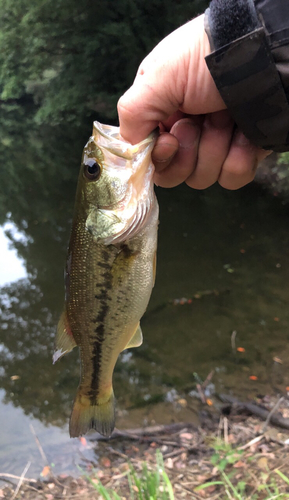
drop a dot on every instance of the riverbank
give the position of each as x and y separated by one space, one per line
273 175
231 453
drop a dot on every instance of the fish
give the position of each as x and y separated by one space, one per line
110 268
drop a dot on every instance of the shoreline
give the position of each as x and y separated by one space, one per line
232 443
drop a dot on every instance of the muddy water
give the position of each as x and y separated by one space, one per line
223 267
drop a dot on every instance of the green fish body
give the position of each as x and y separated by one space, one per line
110 268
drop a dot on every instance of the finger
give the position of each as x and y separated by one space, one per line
149 101
187 131
165 149
241 163
214 146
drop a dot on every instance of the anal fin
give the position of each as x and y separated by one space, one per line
136 340
64 339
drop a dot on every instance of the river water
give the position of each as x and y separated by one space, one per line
223 267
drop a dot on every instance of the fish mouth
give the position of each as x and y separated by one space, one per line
108 137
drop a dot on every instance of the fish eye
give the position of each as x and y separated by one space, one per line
92 169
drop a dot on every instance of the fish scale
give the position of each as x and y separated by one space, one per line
110 268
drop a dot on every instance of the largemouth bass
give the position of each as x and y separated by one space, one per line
110 268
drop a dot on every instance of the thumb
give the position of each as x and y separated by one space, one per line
174 76
145 104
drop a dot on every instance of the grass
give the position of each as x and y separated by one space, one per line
245 485
240 475
149 485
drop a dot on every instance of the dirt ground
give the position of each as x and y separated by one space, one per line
237 441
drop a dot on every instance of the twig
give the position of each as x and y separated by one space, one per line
208 379
4 474
226 430
44 457
201 394
220 425
259 411
20 481
146 431
233 340
275 408
253 441
116 452
174 453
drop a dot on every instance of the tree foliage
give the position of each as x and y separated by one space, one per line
76 58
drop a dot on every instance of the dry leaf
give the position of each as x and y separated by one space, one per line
201 479
169 463
263 463
183 403
209 402
202 493
45 471
15 377
186 435
239 464
277 360
276 319
105 462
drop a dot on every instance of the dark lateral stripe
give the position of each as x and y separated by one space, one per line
103 298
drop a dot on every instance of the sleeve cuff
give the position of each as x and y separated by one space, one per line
245 73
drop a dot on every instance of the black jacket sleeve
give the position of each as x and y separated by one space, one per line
250 66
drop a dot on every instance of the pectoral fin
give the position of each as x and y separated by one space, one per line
136 339
64 338
103 225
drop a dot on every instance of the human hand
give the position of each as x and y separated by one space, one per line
199 143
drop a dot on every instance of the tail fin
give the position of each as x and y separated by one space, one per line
86 415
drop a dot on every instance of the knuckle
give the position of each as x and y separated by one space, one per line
239 168
122 105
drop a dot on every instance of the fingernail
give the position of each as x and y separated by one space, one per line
187 134
241 139
162 160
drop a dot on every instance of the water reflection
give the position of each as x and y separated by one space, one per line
12 267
